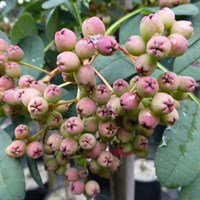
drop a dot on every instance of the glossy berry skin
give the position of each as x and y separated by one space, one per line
170 118
85 48
26 81
87 141
145 64
86 107
77 187
15 149
105 159
162 103
107 129
129 101
182 27
158 46
168 82
68 62
84 76
135 45
28 95
120 86
147 86
148 119
101 94
22 132
106 45
71 174
34 149
93 26
13 69
69 146
74 125
38 106
65 39
54 141
186 84
179 45
6 82
52 93
151 25
14 53
167 16
4 45
92 188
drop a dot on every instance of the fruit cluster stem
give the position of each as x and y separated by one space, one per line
34 67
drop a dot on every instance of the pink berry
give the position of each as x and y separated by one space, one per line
136 45
69 146
52 93
105 159
15 53
130 100
186 84
92 188
74 125
25 81
6 82
93 26
65 39
22 132
86 107
34 149
87 141
13 69
179 44
147 86
159 46
162 103
68 62
151 25
54 141
85 48
106 45
72 174
148 119
78 187
16 149
145 64
38 106
4 45
120 86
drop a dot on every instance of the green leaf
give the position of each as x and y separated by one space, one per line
51 24
129 27
193 71
52 3
195 23
184 61
12 184
186 9
33 54
191 191
23 27
177 159
32 165
4 36
114 67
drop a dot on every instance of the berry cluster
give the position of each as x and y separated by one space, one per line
110 121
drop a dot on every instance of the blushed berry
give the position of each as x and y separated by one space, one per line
34 149
65 39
